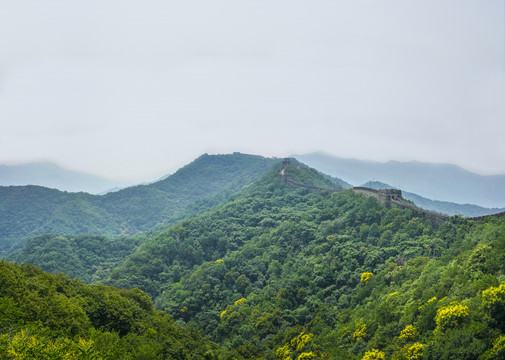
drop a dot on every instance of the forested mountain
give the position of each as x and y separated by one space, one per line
54 177
294 267
27 211
46 316
289 273
443 182
166 256
87 257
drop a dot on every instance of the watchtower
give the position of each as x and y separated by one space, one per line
390 194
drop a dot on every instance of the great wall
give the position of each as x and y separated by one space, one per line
392 196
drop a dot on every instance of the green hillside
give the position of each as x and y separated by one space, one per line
91 257
286 272
47 316
26 211
290 269
87 257
167 255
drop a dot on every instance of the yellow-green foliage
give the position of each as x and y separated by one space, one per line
219 261
392 294
306 355
27 346
451 315
222 314
299 342
498 350
493 295
414 351
296 345
283 352
360 332
366 276
477 258
428 302
408 333
240 301
374 355
331 238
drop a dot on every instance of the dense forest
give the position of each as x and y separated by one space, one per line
88 257
46 316
277 272
26 211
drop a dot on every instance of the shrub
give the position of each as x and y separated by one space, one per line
451 315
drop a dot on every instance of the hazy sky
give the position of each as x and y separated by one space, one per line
132 89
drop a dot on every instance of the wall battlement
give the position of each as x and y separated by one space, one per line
393 196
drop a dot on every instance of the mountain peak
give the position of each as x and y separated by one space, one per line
298 175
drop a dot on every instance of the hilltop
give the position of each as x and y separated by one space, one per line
27 211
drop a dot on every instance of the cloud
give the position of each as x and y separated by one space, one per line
382 80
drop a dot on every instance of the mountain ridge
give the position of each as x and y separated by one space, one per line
444 182
444 207
32 210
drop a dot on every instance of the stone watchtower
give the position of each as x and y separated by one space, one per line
390 194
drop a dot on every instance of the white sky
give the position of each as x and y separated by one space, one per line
132 89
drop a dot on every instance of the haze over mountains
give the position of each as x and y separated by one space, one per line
439 182
55 177
443 182
32 210
444 207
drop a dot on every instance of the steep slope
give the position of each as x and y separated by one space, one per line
54 177
32 210
172 252
282 271
443 182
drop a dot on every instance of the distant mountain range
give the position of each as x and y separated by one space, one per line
443 207
55 177
443 182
